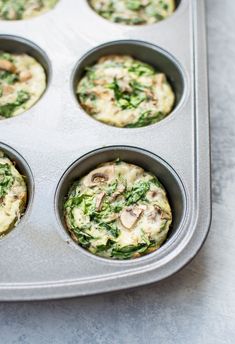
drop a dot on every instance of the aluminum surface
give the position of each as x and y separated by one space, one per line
36 259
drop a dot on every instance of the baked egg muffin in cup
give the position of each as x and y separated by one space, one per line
125 92
13 194
22 83
133 12
24 9
118 211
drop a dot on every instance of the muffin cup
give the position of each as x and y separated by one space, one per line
160 59
134 155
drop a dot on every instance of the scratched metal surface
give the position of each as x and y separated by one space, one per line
56 133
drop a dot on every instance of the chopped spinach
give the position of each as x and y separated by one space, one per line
126 252
156 182
84 238
137 192
141 68
116 89
15 8
84 96
117 207
105 247
110 228
6 179
112 188
91 73
7 110
127 99
6 56
134 5
146 119
8 77
84 201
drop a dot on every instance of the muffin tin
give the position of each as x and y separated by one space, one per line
59 142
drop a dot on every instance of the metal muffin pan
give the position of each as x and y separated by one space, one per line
60 142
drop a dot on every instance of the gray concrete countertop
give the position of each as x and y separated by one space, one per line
195 306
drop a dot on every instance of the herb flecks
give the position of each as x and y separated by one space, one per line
137 192
6 179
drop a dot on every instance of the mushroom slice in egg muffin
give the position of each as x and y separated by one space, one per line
22 83
124 92
13 195
24 9
134 12
118 211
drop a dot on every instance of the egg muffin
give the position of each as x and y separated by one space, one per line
133 12
124 92
24 9
13 194
22 83
118 211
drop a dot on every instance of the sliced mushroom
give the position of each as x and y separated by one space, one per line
99 201
100 175
130 216
7 66
99 178
25 75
